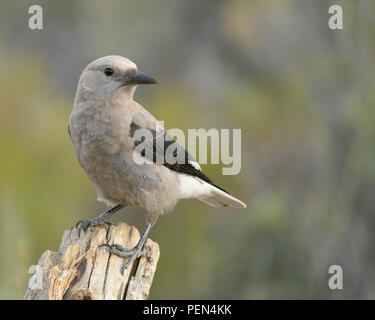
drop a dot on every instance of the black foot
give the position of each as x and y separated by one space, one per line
133 254
84 224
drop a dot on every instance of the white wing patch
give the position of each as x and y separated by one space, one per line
195 165
193 187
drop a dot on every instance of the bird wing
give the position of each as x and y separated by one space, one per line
155 149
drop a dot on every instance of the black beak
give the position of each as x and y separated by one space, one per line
140 78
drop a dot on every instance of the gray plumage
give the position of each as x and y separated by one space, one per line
102 126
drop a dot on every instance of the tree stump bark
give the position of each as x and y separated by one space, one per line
81 270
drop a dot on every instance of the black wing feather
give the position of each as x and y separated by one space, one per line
183 165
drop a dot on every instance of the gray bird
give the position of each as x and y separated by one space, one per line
103 127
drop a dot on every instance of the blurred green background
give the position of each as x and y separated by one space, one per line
302 94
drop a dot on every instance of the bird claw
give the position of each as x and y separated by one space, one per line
131 254
146 253
85 224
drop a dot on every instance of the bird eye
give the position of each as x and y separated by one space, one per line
108 71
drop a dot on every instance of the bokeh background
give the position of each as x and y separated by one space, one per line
302 94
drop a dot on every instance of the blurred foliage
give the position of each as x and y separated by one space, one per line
302 94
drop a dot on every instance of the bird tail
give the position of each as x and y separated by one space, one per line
217 197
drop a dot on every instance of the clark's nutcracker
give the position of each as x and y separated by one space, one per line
102 127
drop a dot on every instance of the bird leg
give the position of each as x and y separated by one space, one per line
134 253
84 224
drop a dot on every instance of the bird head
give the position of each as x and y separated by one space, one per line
112 75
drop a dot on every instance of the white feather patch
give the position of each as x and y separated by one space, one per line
193 187
195 165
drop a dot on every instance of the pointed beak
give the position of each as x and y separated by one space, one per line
140 78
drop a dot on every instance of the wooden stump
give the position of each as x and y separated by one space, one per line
81 270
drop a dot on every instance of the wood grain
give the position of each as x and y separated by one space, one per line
81 270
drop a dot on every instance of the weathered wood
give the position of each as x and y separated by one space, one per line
84 271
